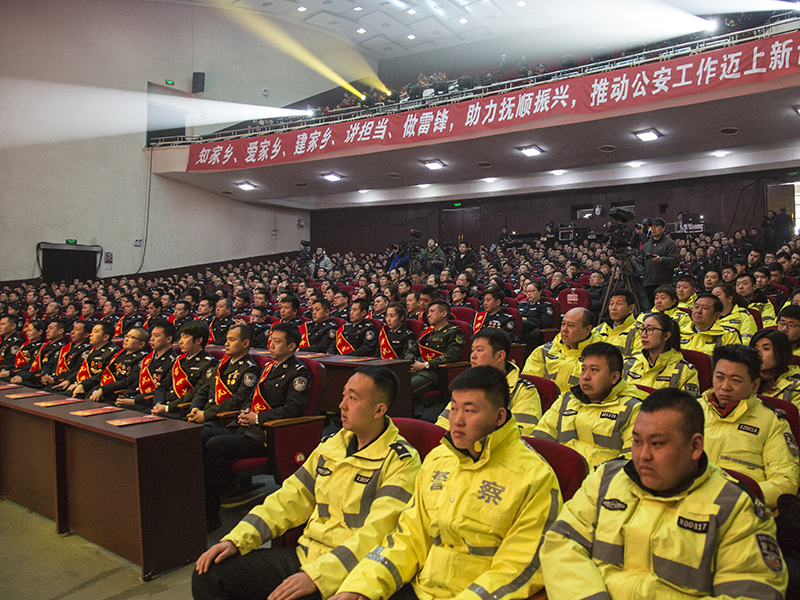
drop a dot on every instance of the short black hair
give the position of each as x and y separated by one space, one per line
291 300
430 291
399 308
741 354
497 338
322 302
493 383
630 299
245 332
747 276
37 324
790 312
108 328
763 270
611 353
13 319
688 279
290 331
361 303
692 418
385 381
196 330
444 306
168 329
718 306
496 293
668 290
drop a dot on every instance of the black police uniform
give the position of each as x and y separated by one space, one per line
401 339
158 367
343 313
499 320
131 321
48 355
320 335
239 376
125 369
97 360
8 350
151 322
178 323
73 358
260 334
219 329
195 368
363 337
28 352
536 316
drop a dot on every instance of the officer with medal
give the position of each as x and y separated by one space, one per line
94 362
70 356
140 393
359 337
395 339
318 335
492 314
122 371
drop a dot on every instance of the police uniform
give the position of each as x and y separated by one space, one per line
70 358
752 439
400 340
151 322
380 316
473 528
295 322
446 344
598 432
689 303
111 320
676 314
230 386
126 323
362 337
349 499
94 363
558 362
178 323
786 386
282 392
47 355
766 310
218 330
318 335
23 358
525 403
8 350
341 313
260 334
626 336
535 316
186 379
670 370
618 539
154 368
742 321
498 320
119 375
706 341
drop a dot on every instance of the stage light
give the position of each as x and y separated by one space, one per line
635 164
301 9
411 36
463 21
720 153
411 11
362 191
490 179
424 185
357 8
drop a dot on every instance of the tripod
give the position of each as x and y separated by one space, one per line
620 273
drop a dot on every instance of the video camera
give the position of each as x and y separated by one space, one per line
617 236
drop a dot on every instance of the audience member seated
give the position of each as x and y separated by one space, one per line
789 324
70 356
755 298
536 314
666 301
395 340
623 329
779 378
121 372
26 352
46 358
94 362
706 333
141 391
318 335
686 289
221 323
359 337
130 317
732 315
493 314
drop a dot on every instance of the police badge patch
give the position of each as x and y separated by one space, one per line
369 335
769 552
299 384
249 379
791 443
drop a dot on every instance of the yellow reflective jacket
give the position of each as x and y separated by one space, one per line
669 370
473 528
787 386
689 304
676 314
767 312
598 432
706 341
742 321
349 502
625 337
525 404
558 362
616 539
755 441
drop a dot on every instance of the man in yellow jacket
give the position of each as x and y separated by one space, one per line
705 333
482 503
666 524
490 348
741 432
595 418
755 298
559 360
348 493
623 331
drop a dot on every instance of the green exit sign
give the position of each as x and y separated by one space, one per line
72 241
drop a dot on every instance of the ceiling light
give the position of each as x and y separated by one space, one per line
361 30
635 164
720 153
490 179
558 172
411 36
411 11
301 9
521 3
362 191
332 177
463 21
246 186
424 185
433 165
647 135
531 150
357 8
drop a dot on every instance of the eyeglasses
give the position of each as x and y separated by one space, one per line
130 337
649 330
788 325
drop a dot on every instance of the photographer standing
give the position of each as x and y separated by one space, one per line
664 258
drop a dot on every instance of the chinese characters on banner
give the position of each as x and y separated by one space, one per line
753 62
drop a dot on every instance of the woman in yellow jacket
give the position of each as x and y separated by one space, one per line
779 378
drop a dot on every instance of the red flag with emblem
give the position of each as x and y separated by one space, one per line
180 382
221 391
425 352
108 374
387 351
147 384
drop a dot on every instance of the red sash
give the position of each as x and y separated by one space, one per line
20 360
259 402
385 345
37 361
221 391
147 385
146 321
171 319
61 365
479 319
211 339
118 327
180 382
425 352
342 345
304 336
421 315
108 375
84 372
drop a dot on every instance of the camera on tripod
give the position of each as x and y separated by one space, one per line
618 238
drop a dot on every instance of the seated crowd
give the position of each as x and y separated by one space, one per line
678 411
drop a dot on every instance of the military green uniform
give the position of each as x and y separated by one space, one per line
449 340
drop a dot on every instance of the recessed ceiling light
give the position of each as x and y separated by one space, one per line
558 172
361 30
490 179
411 36
332 177
635 164
647 135
463 21
531 150
411 11
357 8
424 185
433 165
301 9
521 3
720 153
246 186
362 191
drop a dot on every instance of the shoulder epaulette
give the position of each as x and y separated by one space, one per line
401 449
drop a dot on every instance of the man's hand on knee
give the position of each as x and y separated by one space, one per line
294 586
217 553
348 596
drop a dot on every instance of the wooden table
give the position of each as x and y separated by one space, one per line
338 369
135 490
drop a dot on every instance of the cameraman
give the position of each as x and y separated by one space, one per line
663 258
320 261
